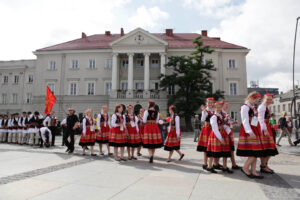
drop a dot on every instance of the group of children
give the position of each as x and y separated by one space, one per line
255 138
27 129
125 129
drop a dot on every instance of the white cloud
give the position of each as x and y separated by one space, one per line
33 24
267 28
148 18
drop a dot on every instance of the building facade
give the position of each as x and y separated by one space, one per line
117 68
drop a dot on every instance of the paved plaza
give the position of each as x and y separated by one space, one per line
35 173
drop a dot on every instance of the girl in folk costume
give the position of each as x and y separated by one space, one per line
230 124
88 133
250 144
218 141
174 135
103 129
152 136
134 138
266 133
207 113
141 128
117 135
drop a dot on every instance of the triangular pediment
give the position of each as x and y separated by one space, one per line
138 37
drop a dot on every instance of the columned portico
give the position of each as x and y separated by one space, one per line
130 75
162 63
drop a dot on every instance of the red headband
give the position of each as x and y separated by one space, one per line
256 95
210 98
118 105
223 101
219 103
268 94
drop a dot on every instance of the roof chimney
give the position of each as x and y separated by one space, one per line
107 33
204 33
83 35
122 32
169 32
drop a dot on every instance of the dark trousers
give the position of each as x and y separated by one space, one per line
274 135
69 133
53 132
64 129
297 142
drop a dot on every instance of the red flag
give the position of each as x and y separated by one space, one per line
49 101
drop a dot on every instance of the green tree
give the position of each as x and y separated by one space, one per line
191 76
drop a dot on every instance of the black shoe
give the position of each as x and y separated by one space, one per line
67 150
182 155
139 154
169 160
257 177
151 159
263 170
218 167
71 151
110 154
123 159
236 167
212 170
248 175
134 158
227 170
204 167
93 154
129 158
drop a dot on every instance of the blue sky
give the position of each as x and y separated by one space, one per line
264 26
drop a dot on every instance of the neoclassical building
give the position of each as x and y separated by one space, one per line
116 68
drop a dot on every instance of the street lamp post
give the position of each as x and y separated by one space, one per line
294 97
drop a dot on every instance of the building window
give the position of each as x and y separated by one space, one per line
155 86
4 98
5 79
231 64
51 87
109 63
92 64
283 107
74 64
52 65
91 88
139 86
171 89
107 88
124 86
73 88
155 63
274 109
28 98
16 81
125 64
233 115
139 63
233 89
14 98
279 108
30 78
289 107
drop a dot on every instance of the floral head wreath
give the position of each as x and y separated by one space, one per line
268 94
256 95
210 98
219 103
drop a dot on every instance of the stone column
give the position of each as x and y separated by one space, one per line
162 63
129 93
146 76
114 76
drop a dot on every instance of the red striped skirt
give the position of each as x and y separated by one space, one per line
88 139
117 138
134 138
141 131
172 141
152 137
203 138
215 148
250 147
103 135
268 141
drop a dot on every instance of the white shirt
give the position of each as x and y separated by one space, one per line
114 119
146 116
215 126
245 117
1 123
64 121
43 134
84 124
177 125
261 116
205 113
99 121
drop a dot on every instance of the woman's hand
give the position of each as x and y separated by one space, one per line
203 108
